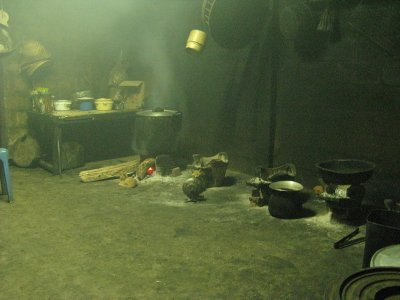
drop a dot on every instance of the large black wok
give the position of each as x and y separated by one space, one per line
345 171
234 23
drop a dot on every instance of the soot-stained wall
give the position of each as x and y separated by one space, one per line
86 38
344 102
341 103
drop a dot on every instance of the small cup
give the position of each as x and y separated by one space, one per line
196 41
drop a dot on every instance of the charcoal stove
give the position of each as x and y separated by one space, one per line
344 200
265 176
343 185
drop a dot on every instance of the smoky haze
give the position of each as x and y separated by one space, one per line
87 37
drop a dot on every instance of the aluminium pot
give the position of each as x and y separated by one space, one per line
285 201
156 131
383 229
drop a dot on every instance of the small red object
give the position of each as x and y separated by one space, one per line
150 170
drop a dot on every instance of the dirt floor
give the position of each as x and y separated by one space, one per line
63 239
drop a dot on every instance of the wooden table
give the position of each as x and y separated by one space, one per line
55 123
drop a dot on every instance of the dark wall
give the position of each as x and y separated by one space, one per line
85 39
342 101
336 99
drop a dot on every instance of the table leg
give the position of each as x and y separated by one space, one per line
57 148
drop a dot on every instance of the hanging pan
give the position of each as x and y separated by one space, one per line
233 24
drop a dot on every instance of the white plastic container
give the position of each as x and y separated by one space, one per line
104 104
62 104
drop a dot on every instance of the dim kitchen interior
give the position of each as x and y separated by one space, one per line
210 149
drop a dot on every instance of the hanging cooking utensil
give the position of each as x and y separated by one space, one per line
298 22
233 24
33 56
328 22
295 19
328 16
5 39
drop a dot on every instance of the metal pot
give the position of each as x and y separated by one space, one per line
383 229
156 131
285 202
233 24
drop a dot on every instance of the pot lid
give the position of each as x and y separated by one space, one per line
158 112
85 99
62 101
286 186
387 257
372 283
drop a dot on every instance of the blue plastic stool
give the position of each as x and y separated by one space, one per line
6 187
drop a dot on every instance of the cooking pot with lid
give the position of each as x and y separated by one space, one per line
156 131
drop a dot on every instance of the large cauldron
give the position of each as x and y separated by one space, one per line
156 131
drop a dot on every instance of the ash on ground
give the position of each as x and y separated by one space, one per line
157 178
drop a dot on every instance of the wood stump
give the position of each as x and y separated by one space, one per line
26 151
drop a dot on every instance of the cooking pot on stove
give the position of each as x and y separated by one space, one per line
285 202
156 131
345 171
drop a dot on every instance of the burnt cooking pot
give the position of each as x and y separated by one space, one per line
285 202
156 131
345 171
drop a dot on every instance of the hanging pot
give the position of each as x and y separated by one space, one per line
234 23
156 131
294 19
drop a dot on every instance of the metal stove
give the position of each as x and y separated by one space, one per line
344 200
343 185
265 176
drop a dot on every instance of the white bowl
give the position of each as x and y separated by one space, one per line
62 104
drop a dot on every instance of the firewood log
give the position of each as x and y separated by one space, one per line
26 151
110 171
